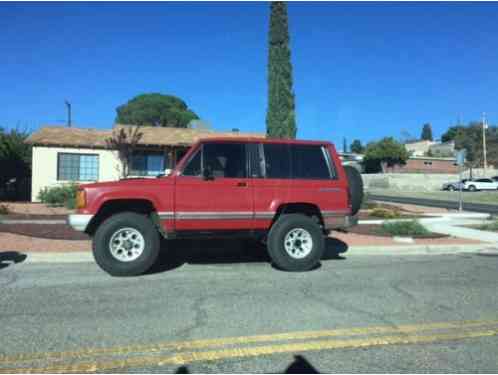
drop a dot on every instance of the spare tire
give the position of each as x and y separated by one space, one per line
355 183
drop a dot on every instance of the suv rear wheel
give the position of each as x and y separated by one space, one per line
126 244
295 243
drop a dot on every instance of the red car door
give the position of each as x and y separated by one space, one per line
213 191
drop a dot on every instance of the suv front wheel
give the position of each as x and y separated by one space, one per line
126 244
295 243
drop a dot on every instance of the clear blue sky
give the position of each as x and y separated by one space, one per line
361 70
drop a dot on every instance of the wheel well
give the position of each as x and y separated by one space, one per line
307 209
109 208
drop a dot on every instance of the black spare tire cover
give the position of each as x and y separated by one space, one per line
355 183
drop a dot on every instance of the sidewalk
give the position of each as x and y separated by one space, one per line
16 242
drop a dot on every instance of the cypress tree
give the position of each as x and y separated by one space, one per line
280 116
427 132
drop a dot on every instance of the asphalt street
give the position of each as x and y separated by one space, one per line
453 205
233 312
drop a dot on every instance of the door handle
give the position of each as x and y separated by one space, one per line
242 184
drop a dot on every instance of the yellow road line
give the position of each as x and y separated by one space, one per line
243 340
212 355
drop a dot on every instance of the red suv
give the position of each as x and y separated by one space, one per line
289 193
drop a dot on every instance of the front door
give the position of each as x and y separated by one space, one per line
213 191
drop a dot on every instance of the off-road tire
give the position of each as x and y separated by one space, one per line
108 262
276 245
355 183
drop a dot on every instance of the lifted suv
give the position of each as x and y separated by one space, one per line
290 193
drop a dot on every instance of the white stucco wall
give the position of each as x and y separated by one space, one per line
44 167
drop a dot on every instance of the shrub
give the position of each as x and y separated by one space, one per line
404 228
4 209
493 226
385 213
62 195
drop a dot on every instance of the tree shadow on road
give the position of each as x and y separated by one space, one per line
9 257
175 253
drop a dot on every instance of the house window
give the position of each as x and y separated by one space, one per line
147 163
77 167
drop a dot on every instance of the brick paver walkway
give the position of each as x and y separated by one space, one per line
15 242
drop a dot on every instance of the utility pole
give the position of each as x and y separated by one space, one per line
68 105
484 127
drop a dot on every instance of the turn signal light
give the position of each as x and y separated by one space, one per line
80 199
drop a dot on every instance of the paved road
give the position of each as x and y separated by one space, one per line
235 313
474 207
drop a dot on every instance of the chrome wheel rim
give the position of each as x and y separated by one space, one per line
126 244
298 243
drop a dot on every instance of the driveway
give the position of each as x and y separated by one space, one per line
230 312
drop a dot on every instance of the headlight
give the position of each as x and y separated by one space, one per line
80 199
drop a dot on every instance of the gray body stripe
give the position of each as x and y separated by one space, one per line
206 215
232 215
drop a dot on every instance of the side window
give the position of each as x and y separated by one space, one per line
226 160
277 160
193 167
256 166
309 162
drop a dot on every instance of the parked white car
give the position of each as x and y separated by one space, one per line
481 184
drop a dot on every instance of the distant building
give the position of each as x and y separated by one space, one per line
425 164
420 148
444 149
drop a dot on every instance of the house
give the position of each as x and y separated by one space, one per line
443 149
63 155
419 148
425 164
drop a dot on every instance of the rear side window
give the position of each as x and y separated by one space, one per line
309 162
277 160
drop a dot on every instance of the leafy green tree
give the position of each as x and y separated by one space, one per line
384 154
357 147
15 161
451 133
469 137
280 116
426 132
200 125
155 110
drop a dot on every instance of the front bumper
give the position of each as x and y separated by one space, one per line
340 222
79 222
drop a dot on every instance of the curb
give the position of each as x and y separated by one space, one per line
421 249
392 250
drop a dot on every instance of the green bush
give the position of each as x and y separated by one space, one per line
493 226
62 195
385 213
4 209
404 228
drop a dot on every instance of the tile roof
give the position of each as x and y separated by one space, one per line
96 138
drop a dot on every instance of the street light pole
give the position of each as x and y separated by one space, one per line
68 105
484 127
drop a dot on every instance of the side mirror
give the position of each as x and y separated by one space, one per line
207 173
